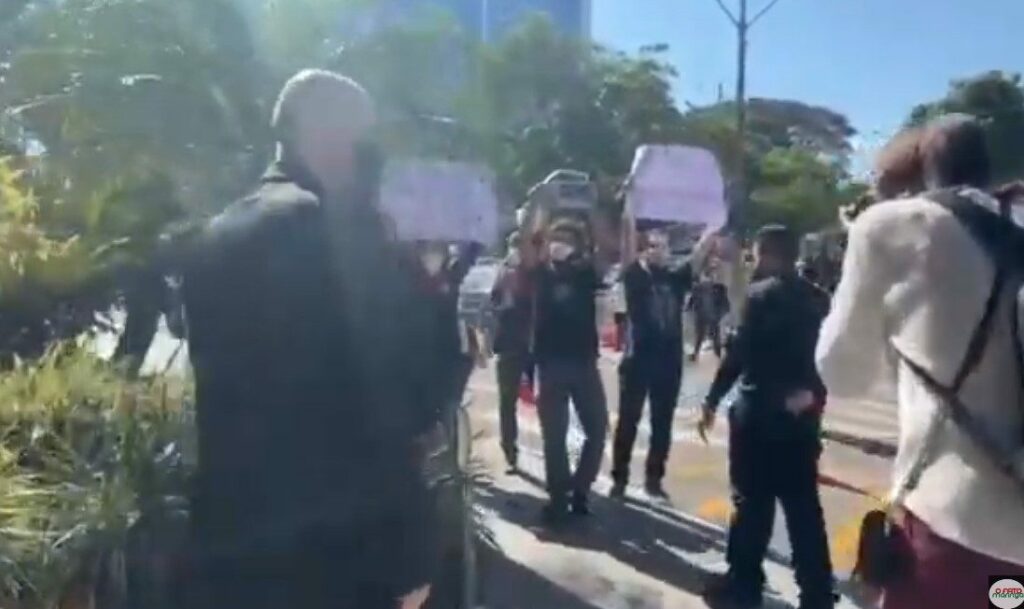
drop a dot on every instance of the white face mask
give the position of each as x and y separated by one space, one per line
433 262
560 252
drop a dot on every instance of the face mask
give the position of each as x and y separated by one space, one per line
433 262
560 252
513 258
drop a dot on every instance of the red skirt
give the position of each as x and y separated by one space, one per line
945 575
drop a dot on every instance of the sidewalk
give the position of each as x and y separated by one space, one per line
626 556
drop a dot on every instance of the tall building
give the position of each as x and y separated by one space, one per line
572 17
487 19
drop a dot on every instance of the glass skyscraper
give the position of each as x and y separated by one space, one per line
571 17
490 19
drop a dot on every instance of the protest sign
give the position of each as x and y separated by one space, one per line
440 201
679 184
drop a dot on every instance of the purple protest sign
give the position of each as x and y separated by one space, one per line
680 184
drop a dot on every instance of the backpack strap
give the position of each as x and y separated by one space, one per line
999 236
990 230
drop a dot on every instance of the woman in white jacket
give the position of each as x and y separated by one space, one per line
914 280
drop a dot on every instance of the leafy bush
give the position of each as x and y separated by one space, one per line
93 481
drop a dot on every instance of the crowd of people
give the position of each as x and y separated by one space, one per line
895 315
314 331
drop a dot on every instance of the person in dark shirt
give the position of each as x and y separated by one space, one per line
653 361
313 391
512 298
709 303
566 351
441 278
774 427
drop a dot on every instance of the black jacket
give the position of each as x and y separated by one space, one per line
310 356
772 354
512 297
655 298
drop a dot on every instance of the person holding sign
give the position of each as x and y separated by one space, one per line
457 344
567 280
653 363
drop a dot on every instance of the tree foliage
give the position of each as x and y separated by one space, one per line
997 98
132 114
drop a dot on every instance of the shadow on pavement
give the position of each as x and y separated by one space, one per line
507 584
644 537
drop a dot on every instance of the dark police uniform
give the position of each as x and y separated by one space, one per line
773 454
311 388
652 365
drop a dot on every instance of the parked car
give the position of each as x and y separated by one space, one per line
475 297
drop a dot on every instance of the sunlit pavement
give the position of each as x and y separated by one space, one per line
697 478
628 555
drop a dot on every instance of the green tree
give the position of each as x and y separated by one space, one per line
997 98
800 189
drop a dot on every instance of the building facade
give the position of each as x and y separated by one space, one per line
489 19
571 17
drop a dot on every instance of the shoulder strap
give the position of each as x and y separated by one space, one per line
995 232
1000 237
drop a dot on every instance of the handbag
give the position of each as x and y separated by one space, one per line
882 556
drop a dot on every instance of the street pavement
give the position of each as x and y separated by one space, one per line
641 554
697 478
626 556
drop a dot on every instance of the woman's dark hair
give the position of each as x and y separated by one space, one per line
954 152
899 168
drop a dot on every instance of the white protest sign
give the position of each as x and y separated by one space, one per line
440 201
680 184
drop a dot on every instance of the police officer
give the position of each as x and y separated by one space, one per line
774 427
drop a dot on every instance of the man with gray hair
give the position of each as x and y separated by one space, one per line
309 489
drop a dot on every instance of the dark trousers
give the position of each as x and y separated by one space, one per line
642 378
561 380
511 368
708 328
765 469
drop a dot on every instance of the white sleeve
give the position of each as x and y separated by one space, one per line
852 348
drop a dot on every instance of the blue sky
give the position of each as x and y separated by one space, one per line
870 59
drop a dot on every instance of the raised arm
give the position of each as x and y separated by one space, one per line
629 239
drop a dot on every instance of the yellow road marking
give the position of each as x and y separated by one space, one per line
844 546
846 538
717 509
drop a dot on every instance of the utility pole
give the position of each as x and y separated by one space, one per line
736 271
742 23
